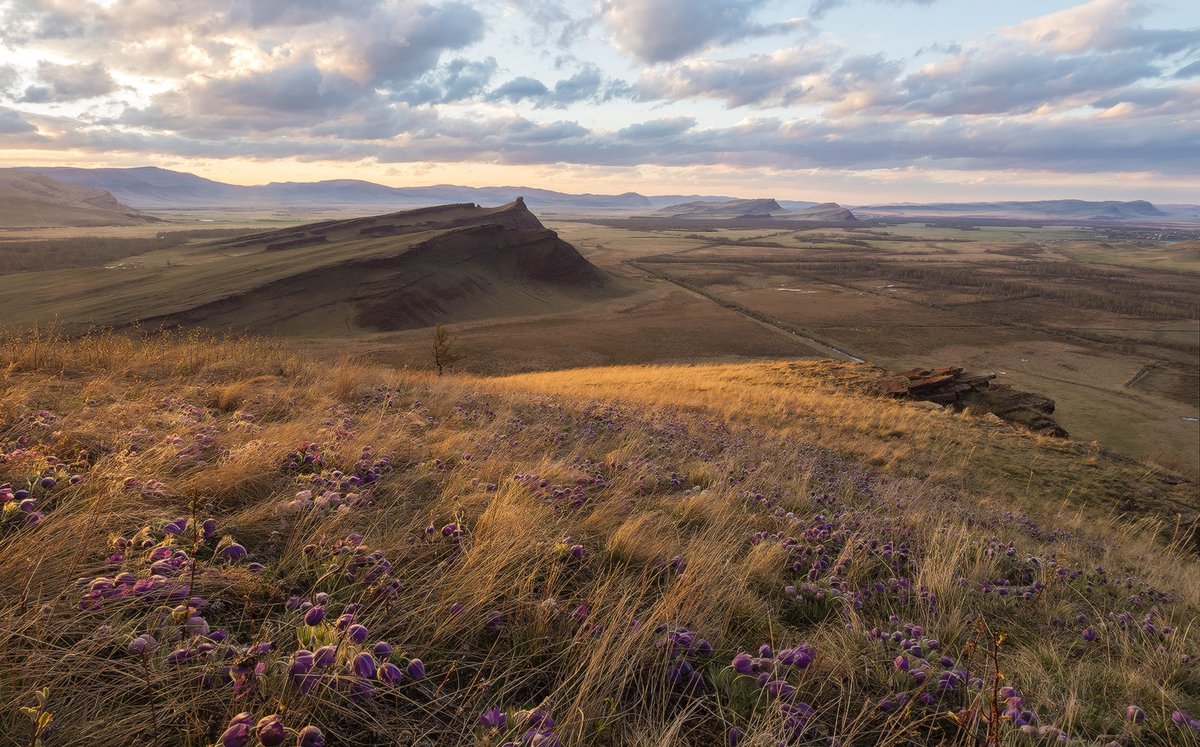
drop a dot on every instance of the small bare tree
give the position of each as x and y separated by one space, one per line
444 352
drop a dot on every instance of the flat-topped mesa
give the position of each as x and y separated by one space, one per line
826 211
723 209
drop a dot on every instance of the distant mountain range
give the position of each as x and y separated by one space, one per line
1033 209
152 188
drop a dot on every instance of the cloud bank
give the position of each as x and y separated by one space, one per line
1087 89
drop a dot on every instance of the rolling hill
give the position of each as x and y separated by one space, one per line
32 200
758 208
389 272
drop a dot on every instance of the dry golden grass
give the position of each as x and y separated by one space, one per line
746 474
832 404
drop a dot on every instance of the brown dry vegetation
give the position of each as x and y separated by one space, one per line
669 462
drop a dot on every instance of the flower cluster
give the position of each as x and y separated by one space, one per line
337 655
153 567
268 731
688 654
350 561
536 725
769 671
560 495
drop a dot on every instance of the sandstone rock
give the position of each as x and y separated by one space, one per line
955 388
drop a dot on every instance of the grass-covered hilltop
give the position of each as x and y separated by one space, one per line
237 542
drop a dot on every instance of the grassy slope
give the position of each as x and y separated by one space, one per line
757 477
29 199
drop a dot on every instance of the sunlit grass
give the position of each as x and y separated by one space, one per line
589 557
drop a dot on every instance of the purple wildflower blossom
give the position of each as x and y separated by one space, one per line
493 719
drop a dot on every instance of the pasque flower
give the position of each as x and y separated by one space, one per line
310 736
493 719
416 670
270 731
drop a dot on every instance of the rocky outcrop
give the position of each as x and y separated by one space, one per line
954 387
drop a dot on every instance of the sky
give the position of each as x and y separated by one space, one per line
856 101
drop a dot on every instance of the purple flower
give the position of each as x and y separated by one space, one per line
142 645
325 656
180 655
743 663
537 718
416 670
364 665
390 674
577 552
357 633
233 552
270 731
679 672
734 736
1135 714
901 663
780 689
310 736
302 662
258 649
237 735
800 657
315 615
492 719
494 620
1089 635
238 732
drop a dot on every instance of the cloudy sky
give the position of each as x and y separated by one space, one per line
852 100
